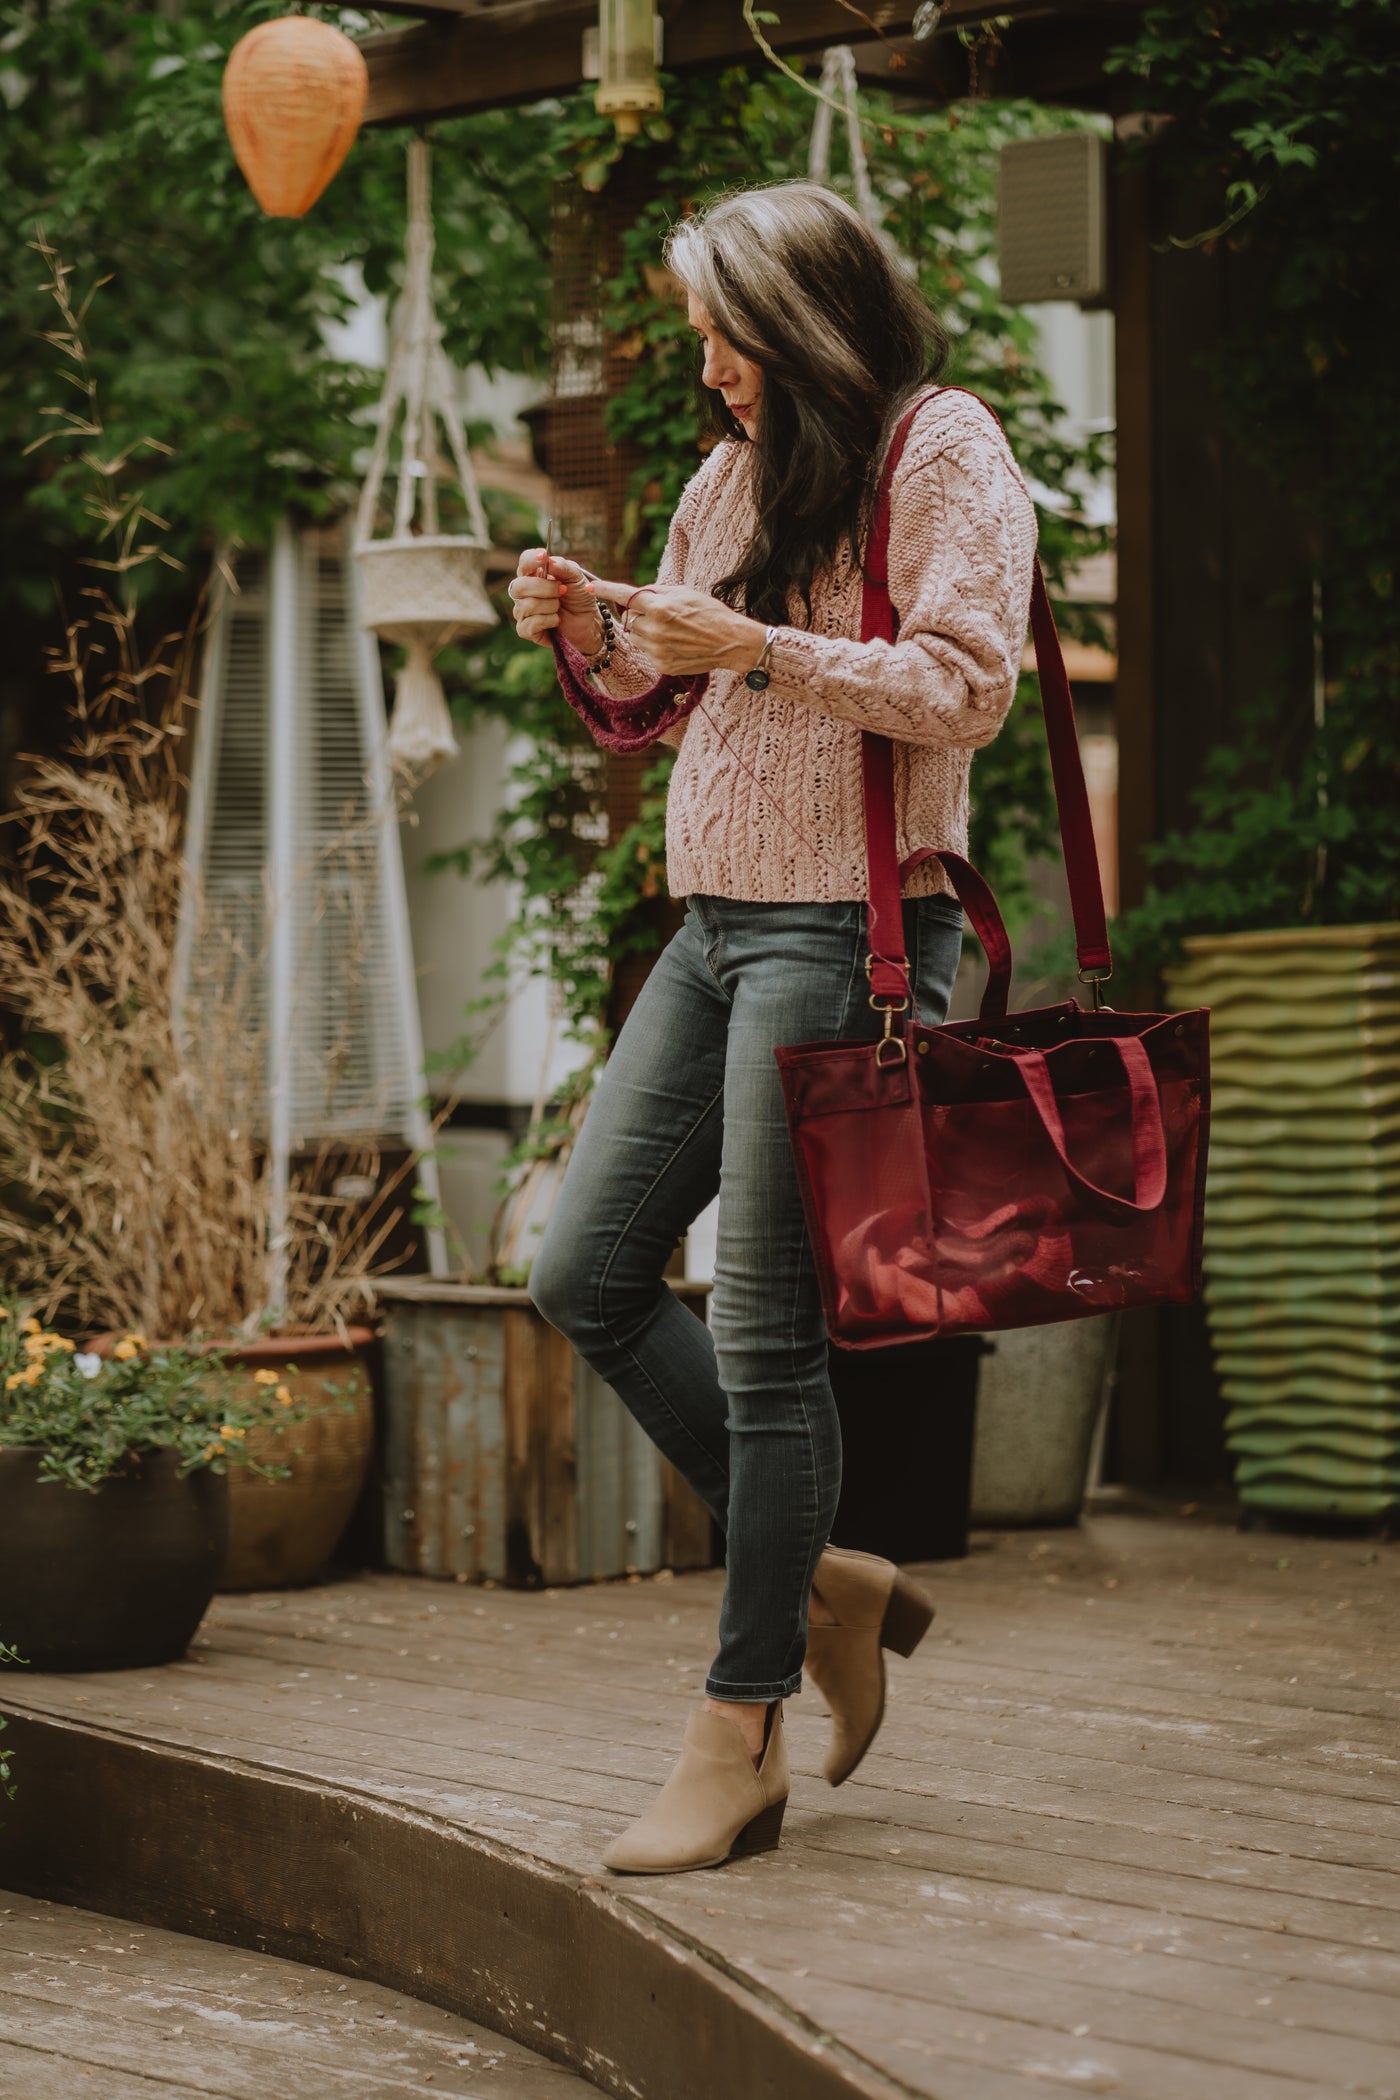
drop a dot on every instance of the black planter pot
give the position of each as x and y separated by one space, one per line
116 1580
907 1418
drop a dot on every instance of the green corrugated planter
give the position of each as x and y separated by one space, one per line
1302 1245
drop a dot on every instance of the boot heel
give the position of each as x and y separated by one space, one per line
763 1833
908 1616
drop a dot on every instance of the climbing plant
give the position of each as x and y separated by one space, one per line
1279 144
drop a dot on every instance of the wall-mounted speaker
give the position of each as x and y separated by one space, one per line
1052 233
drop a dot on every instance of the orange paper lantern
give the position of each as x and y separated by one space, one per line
294 94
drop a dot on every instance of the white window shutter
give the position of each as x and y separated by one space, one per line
294 875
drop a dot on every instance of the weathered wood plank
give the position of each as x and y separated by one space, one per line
317 1871
487 1741
158 2012
1100 1802
452 65
1268 1789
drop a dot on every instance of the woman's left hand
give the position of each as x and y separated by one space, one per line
685 632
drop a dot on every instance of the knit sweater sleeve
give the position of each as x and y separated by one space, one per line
962 548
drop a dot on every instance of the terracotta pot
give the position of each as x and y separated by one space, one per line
113 1580
294 94
283 1532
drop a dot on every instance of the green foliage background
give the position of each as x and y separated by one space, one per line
1283 131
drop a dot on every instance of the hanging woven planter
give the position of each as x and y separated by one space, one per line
839 92
420 586
294 94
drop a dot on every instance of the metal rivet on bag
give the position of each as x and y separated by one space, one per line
923 1049
1180 1028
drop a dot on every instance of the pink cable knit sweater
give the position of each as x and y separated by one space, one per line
962 548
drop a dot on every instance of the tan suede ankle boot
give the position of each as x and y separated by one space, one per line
716 1804
876 1607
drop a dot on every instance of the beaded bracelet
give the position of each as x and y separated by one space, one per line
603 656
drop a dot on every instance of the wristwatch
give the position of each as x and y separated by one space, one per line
760 675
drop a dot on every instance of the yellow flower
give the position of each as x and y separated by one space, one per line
4 1312
229 1431
15 1378
284 1394
30 1326
124 1351
138 1339
264 1378
61 1342
45 1344
213 1451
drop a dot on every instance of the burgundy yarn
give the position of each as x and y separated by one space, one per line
624 725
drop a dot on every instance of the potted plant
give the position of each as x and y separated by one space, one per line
114 1472
289 1508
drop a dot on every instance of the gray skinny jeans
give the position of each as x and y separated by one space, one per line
689 1104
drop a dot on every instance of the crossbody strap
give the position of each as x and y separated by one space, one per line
888 967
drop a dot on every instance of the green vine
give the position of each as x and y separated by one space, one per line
1281 136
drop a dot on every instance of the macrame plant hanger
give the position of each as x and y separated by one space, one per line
420 587
838 89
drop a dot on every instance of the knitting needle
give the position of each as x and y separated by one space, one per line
549 548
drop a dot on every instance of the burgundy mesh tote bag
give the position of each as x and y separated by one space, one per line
1020 1168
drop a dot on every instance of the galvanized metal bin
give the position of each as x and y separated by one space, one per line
506 1458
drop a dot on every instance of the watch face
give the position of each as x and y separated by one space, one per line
756 680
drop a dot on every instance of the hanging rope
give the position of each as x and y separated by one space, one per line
420 586
839 91
419 384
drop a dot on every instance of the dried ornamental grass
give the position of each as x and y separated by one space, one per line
135 1188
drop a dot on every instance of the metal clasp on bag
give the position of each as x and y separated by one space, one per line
889 1041
1095 979
889 1008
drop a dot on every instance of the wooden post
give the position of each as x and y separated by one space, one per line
1137 1430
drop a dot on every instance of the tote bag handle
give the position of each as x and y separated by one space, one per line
888 968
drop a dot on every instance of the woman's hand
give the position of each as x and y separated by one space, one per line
684 632
554 595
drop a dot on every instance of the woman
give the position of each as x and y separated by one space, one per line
814 344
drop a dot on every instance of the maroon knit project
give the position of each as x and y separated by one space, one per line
624 724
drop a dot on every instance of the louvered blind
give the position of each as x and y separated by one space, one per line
352 1054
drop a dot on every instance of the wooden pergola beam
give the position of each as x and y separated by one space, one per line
1047 56
473 58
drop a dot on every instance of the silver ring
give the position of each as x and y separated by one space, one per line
641 589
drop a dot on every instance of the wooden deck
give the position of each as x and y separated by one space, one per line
130 2013
1131 1827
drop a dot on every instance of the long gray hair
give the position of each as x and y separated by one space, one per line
796 281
